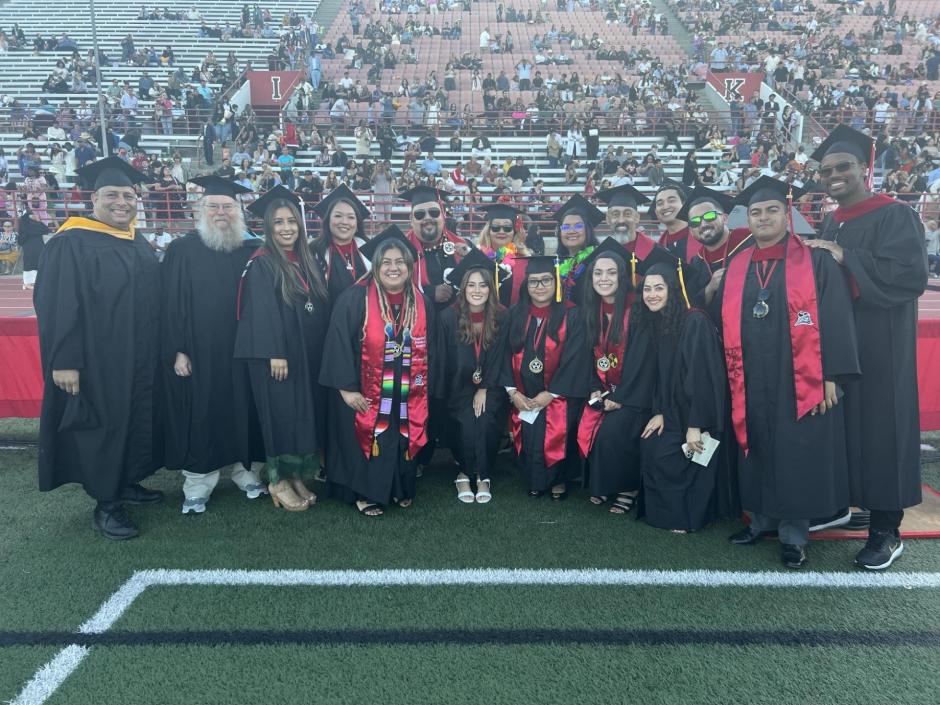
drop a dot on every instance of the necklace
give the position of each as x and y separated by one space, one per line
761 307
535 364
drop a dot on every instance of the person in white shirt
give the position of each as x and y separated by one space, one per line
485 40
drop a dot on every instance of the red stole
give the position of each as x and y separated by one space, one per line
592 416
639 249
419 245
737 238
556 413
692 246
518 267
372 369
803 317
341 252
872 203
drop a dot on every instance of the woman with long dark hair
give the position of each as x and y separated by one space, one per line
545 373
623 372
690 404
470 344
342 233
576 220
283 312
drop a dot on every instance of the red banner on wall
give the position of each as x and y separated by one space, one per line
271 88
736 85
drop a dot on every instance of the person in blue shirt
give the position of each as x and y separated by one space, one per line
285 161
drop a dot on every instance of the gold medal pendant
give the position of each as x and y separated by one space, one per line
536 366
603 363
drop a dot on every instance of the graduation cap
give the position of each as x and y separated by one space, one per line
544 264
767 188
110 171
846 140
392 232
341 192
579 205
423 194
260 206
668 185
738 219
661 260
502 211
609 246
217 186
701 194
474 259
625 196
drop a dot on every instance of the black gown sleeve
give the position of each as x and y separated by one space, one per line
176 303
341 353
261 333
496 354
702 373
639 376
572 379
504 373
58 302
837 324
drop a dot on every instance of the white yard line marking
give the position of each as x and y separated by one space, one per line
50 676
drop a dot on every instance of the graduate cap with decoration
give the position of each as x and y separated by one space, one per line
217 186
767 188
260 206
702 194
110 171
623 196
341 192
393 233
668 185
579 205
423 194
845 140
474 259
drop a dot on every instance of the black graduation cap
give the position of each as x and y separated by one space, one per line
845 140
341 192
661 261
668 185
609 246
624 195
392 232
702 194
767 188
423 194
668 272
500 210
474 259
110 171
260 206
539 264
579 205
217 186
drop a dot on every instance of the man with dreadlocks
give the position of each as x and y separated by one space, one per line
377 361
210 419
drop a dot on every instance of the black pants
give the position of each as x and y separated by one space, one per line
886 520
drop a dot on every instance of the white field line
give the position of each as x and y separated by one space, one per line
50 676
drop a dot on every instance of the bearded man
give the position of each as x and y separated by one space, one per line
210 418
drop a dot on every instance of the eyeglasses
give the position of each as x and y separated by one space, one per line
431 212
569 228
501 228
841 167
543 283
706 217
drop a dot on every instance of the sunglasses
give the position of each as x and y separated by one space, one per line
432 212
501 228
842 167
708 217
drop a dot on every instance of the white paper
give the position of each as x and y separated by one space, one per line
703 458
529 416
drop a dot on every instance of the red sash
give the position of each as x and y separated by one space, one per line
556 413
803 317
372 368
737 238
639 249
422 271
591 416
518 267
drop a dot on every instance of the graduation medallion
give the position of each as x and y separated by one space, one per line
477 376
761 308
396 350
308 307
449 248
603 363
536 366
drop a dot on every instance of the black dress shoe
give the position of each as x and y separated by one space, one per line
746 537
138 494
793 556
112 522
536 493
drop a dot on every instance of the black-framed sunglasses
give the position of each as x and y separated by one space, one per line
841 167
501 229
420 215
706 217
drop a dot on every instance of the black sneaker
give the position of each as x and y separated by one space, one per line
840 518
882 549
793 556
112 522
138 494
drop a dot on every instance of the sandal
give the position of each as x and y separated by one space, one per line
288 499
483 493
369 509
623 504
405 503
464 494
599 499
559 495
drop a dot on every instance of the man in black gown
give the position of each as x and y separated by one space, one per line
880 244
97 305
789 341
211 422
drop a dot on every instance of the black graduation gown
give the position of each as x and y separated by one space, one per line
794 469
210 420
571 380
269 328
695 272
30 239
885 255
614 464
691 391
338 277
436 263
388 475
476 440
97 303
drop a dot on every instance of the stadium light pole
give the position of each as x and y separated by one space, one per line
101 114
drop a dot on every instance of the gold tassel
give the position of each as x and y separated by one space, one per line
633 268
557 280
408 454
682 285
375 447
496 280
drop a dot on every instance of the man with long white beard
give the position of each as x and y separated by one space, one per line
210 421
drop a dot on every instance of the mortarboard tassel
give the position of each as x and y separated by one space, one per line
870 180
633 269
557 280
496 278
375 447
685 294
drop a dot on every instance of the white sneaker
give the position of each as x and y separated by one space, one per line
196 505
255 490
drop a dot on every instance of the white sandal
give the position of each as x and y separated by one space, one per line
483 496
465 496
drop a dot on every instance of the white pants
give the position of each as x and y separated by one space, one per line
29 277
200 486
